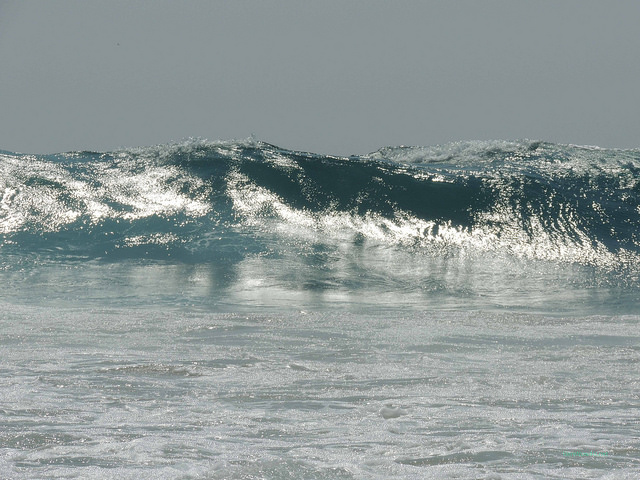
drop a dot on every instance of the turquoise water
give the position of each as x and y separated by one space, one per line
238 310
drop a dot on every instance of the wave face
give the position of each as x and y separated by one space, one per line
399 208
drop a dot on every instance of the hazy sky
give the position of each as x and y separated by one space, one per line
326 76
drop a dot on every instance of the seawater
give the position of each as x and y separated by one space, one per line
239 310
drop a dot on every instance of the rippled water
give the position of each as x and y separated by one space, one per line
126 393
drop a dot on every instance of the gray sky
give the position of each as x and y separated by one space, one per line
327 76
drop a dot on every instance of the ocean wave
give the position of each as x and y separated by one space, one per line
207 201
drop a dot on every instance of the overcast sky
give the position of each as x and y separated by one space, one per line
327 76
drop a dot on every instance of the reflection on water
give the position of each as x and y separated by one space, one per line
319 277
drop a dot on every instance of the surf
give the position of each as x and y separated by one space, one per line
532 199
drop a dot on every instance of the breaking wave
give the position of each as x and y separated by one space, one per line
217 202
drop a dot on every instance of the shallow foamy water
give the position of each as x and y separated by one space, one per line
132 393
